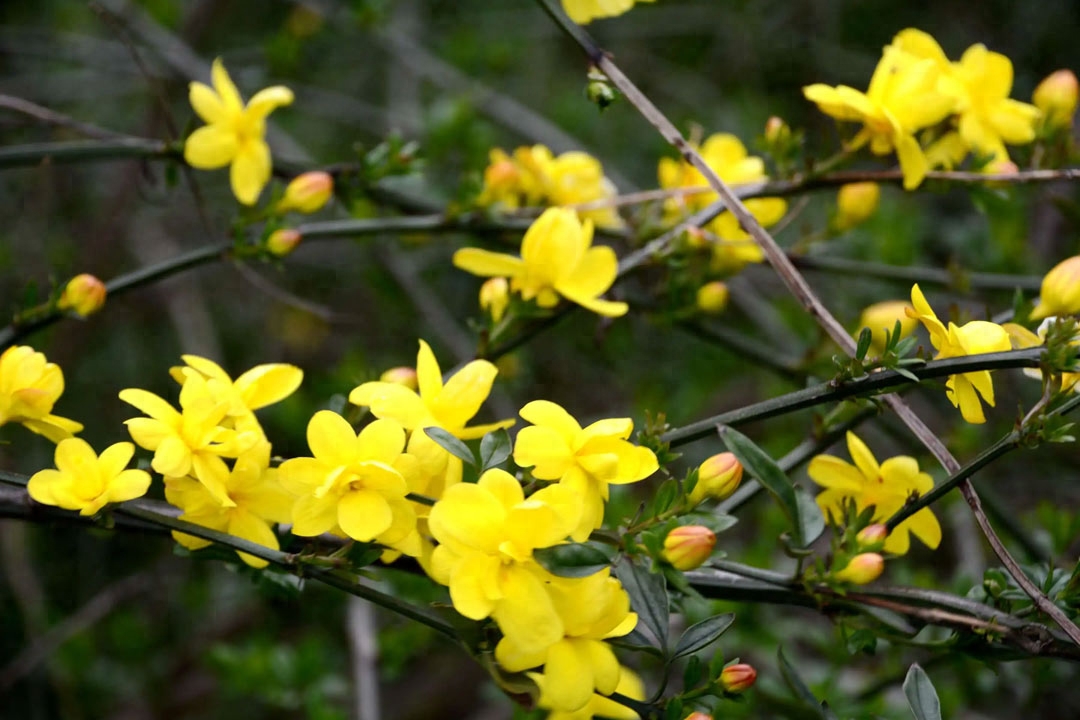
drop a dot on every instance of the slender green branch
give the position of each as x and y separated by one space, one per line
959 280
75 151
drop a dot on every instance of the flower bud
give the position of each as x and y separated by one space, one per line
84 294
855 203
863 568
881 318
872 537
495 297
776 131
307 192
712 297
1056 96
718 477
698 715
400 376
696 238
282 242
738 678
1060 293
688 546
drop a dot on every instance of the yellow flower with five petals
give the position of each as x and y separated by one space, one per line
87 482
29 387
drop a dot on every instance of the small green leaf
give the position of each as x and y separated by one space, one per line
665 496
802 692
865 336
648 597
674 709
702 634
451 444
693 673
717 522
494 449
768 473
573 560
811 519
921 696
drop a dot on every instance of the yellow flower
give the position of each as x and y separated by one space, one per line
29 387
587 460
973 338
234 134
354 483
258 501
887 487
727 157
557 259
1060 291
84 481
585 11
1056 97
630 685
712 297
881 318
903 97
487 532
855 203
84 294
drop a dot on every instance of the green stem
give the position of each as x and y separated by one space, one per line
927 276
75 151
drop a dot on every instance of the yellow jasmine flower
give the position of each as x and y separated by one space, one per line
258 500
487 532
355 483
881 318
1060 290
586 460
191 441
728 158
234 133
630 685
973 338
557 259
585 11
84 481
855 204
903 97
29 387
886 486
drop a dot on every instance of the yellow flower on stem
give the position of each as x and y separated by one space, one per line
557 259
886 487
87 482
586 460
630 685
973 338
1060 290
258 499
585 11
29 387
234 133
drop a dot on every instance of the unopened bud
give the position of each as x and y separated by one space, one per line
84 294
718 477
855 203
400 376
872 537
689 546
696 238
738 678
712 297
881 318
698 715
495 297
776 131
307 192
284 241
1060 293
862 569
1056 96
601 93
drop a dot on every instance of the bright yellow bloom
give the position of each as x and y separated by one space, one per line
887 487
592 609
355 484
258 501
191 441
1056 96
585 11
307 193
727 157
1060 291
855 203
903 98
557 259
234 134
973 338
587 460
29 387
881 318
84 294
487 532
630 685
84 481
862 569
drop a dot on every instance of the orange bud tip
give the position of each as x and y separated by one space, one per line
689 546
83 295
282 242
400 376
739 678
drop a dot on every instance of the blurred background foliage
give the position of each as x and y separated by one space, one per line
158 635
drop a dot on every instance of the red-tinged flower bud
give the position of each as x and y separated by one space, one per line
855 203
718 477
284 241
307 192
1060 293
84 294
689 546
737 678
698 715
400 376
712 297
776 131
862 569
872 537
495 297
1057 96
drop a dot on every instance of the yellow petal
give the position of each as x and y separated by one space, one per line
924 525
525 612
363 514
549 414
41 484
470 585
389 400
206 103
605 308
313 516
250 170
245 525
381 441
568 676
463 394
554 244
115 458
152 405
428 375
544 450
128 485
604 664
226 90
864 459
212 472
267 384
913 163
210 147
591 277
488 264
503 486
265 101
332 439
832 472
468 515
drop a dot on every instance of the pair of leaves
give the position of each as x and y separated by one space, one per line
495 448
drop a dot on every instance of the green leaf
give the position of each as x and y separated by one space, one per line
451 444
717 522
802 692
494 449
674 709
811 519
701 635
768 473
921 696
864 343
693 673
665 496
648 597
573 560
